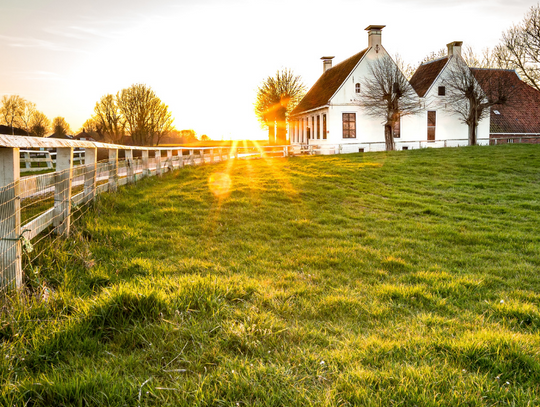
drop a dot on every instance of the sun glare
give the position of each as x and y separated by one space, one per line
220 184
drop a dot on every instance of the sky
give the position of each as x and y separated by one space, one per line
206 58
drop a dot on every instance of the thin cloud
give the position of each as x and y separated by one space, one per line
41 75
22 42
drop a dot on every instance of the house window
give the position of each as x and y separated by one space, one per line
349 125
397 128
431 122
357 88
442 91
324 126
313 126
318 126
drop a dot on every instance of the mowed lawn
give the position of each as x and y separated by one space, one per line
380 279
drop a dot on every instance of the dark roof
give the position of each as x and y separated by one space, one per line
426 74
328 84
521 114
15 130
66 137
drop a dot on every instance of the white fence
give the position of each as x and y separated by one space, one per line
34 207
355 147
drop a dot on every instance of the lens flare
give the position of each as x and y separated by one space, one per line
220 184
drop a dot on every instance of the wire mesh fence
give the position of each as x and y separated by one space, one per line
37 211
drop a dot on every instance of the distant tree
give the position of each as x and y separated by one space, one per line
108 118
147 118
187 136
11 110
27 112
204 137
276 98
487 59
39 124
93 126
60 127
388 95
470 97
406 68
520 48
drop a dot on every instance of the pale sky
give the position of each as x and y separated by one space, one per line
206 58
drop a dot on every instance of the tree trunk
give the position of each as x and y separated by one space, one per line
389 137
472 135
272 133
281 119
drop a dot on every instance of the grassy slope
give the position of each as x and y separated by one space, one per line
408 278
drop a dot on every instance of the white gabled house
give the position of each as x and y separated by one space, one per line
330 119
438 126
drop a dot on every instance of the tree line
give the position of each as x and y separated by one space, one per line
135 115
19 113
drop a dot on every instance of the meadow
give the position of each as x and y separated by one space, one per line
408 278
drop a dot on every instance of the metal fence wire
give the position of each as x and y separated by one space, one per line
36 211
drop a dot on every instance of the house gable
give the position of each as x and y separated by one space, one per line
426 75
328 84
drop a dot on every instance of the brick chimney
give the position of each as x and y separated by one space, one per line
374 35
327 63
454 48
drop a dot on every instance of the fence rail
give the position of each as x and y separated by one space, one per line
37 206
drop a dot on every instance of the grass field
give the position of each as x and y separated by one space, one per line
381 279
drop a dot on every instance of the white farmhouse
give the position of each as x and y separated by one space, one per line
330 119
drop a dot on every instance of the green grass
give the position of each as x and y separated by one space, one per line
383 279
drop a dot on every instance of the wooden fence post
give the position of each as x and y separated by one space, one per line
191 157
145 169
202 156
170 165
157 156
62 190
181 158
211 155
130 171
90 179
10 219
113 170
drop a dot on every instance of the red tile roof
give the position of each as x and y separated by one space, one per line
521 114
426 74
328 84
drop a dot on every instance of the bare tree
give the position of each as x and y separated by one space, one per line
470 96
520 48
60 126
147 118
276 98
487 59
108 118
27 112
11 110
388 95
407 69
39 124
